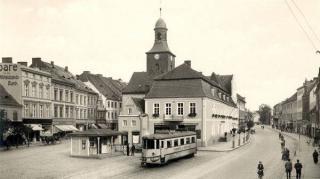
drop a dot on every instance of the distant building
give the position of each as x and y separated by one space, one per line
288 118
241 103
277 113
110 97
166 97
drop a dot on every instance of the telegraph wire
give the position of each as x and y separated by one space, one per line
298 22
307 22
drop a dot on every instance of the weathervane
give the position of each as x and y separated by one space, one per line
160 7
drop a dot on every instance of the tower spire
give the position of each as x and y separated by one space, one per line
160 7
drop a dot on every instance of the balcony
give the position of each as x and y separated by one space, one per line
173 118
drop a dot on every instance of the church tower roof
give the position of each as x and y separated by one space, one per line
160 41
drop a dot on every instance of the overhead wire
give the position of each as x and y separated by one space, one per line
301 26
306 20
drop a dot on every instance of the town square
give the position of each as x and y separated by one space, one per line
154 89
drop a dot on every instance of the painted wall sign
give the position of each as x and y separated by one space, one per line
10 79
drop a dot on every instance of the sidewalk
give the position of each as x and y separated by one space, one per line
227 146
31 145
304 154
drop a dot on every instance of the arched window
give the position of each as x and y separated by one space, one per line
157 67
159 36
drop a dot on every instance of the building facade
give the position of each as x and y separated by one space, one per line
110 97
166 97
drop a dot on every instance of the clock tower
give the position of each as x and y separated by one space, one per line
160 59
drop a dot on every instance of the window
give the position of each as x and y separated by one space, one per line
47 93
175 143
61 95
84 143
34 91
181 141
81 102
55 94
55 111
125 122
85 100
41 111
71 96
156 108
108 115
169 144
187 140
40 91
180 108
108 104
77 99
34 110
26 89
111 104
162 144
148 144
192 108
115 104
67 96
120 105
129 110
168 108
61 111
134 122
67 112
26 110
85 113
48 111
193 140
71 112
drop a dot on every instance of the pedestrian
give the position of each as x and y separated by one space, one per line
133 148
298 167
288 168
128 149
315 156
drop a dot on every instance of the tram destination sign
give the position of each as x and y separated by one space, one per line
10 80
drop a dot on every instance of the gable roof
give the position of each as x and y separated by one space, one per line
108 87
139 83
7 99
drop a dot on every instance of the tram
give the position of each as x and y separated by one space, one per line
161 147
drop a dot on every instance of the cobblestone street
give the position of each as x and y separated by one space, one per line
55 162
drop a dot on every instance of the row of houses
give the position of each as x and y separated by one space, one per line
50 99
300 112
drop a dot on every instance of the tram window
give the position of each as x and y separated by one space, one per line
181 141
188 140
193 140
169 144
162 144
149 144
175 143
157 144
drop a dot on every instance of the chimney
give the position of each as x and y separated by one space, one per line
86 72
99 75
36 62
188 62
52 64
66 69
6 59
23 63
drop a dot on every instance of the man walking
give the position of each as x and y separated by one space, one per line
133 148
288 167
315 156
128 149
298 167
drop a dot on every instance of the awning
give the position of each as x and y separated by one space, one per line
36 127
103 126
66 128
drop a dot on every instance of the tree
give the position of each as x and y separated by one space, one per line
250 124
265 114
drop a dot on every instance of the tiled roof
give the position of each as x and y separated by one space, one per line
139 83
184 82
6 98
139 103
59 74
291 99
110 88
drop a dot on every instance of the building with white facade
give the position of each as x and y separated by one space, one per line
166 97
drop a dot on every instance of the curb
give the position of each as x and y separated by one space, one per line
226 150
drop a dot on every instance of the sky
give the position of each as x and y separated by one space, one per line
259 42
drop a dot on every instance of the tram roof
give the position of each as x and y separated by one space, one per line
169 135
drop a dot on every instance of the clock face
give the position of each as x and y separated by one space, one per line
157 56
